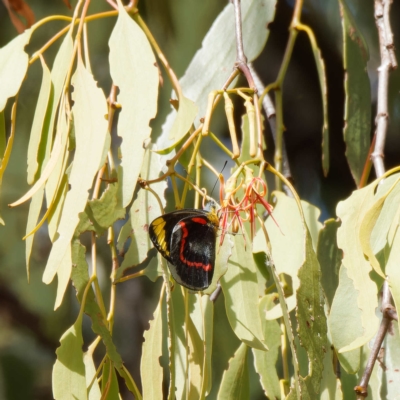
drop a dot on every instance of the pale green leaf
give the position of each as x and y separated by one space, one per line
13 66
265 362
129 382
151 370
212 64
368 224
289 234
240 288
311 320
153 269
63 275
69 380
235 382
351 212
38 122
345 321
89 110
357 128
185 116
202 313
3 133
90 368
138 91
329 258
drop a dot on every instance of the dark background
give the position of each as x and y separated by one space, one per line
29 328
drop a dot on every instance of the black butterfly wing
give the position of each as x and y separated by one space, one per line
160 230
193 252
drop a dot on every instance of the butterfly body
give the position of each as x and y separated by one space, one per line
186 239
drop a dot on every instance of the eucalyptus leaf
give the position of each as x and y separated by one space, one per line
138 91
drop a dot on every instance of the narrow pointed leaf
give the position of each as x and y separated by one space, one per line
240 288
90 368
89 111
235 382
138 91
13 66
357 128
69 380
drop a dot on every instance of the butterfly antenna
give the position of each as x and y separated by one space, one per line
215 184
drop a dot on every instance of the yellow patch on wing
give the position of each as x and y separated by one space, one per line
159 230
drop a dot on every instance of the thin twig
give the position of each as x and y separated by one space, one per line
388 62
241 59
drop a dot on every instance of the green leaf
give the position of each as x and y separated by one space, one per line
3 139
109 381
311 320
38 122
151 370
368 224
13 66
329 258
351 212
218 54
265 362
240 288
90 368
346 314
69 380
138 91
288 235
80 279
89 110
235 382
101 213
357 128
186 114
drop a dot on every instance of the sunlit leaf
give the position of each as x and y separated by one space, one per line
89 111
38 122
94 390
151 370
13 66
240 288
357 128
212 64
265 362
235 382
138 91
351 212
69 380
184 119
109 381
288 235
345 313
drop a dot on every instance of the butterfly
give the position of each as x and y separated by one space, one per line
187 240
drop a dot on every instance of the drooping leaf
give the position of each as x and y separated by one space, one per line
211 65
138 90
38 122
288 235
265 362
91 383
151 370
358 94
13 66
90 129
235 382
69 380
329 258
351 212
311 320
109 381
345 313
240 288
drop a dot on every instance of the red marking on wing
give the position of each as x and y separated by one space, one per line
207 267
200 220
